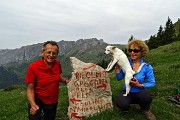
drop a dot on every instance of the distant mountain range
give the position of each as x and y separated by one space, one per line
14 62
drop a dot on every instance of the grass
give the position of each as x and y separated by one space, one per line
165 61
13 104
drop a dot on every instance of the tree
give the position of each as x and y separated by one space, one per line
169 33
179 33
160 32
160 36
131 38
152 43
164 36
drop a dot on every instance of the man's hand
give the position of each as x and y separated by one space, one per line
64 80
34 109
67 81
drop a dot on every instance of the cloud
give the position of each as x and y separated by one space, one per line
35 21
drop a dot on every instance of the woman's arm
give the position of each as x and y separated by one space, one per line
149 77
119 73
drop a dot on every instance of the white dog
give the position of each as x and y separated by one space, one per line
121 59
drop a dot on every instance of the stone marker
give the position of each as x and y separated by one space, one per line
89 90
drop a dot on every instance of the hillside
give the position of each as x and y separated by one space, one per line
7 77
165 61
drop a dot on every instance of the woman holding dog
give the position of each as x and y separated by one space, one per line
143 79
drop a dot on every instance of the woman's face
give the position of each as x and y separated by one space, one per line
134 52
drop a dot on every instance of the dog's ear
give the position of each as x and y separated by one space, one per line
113 47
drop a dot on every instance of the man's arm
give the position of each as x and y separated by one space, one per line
31 98
64 80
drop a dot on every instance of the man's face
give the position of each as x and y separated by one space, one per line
50 53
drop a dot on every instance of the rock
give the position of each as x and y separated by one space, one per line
89 90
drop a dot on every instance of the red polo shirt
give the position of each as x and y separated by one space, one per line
46 80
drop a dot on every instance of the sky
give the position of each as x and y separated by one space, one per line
27 22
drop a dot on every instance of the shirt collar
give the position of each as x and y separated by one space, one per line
141 61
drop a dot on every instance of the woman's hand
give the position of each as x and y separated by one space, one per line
117 66
135 82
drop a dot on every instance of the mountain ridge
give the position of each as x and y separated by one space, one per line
18 60
27 52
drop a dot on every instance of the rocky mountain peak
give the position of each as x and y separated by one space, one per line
27 52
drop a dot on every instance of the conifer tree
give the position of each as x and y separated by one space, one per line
160 32
179 33
131 38
160 36
169 33
152 43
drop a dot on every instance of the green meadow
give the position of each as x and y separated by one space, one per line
166 63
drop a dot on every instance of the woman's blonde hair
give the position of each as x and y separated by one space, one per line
141 44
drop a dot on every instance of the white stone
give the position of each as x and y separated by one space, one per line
89 90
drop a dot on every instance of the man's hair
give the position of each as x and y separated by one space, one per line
50 42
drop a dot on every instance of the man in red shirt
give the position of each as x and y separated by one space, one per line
42 78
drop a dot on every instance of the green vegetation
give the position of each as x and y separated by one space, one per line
7 77
13 104
165 61
169 34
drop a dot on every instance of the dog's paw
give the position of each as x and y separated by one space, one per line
107 70
124 94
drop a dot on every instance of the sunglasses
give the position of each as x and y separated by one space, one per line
134 50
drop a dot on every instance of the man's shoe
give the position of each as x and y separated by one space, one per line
149 115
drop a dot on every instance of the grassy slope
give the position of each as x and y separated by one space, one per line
165 61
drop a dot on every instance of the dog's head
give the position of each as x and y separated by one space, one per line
109 49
